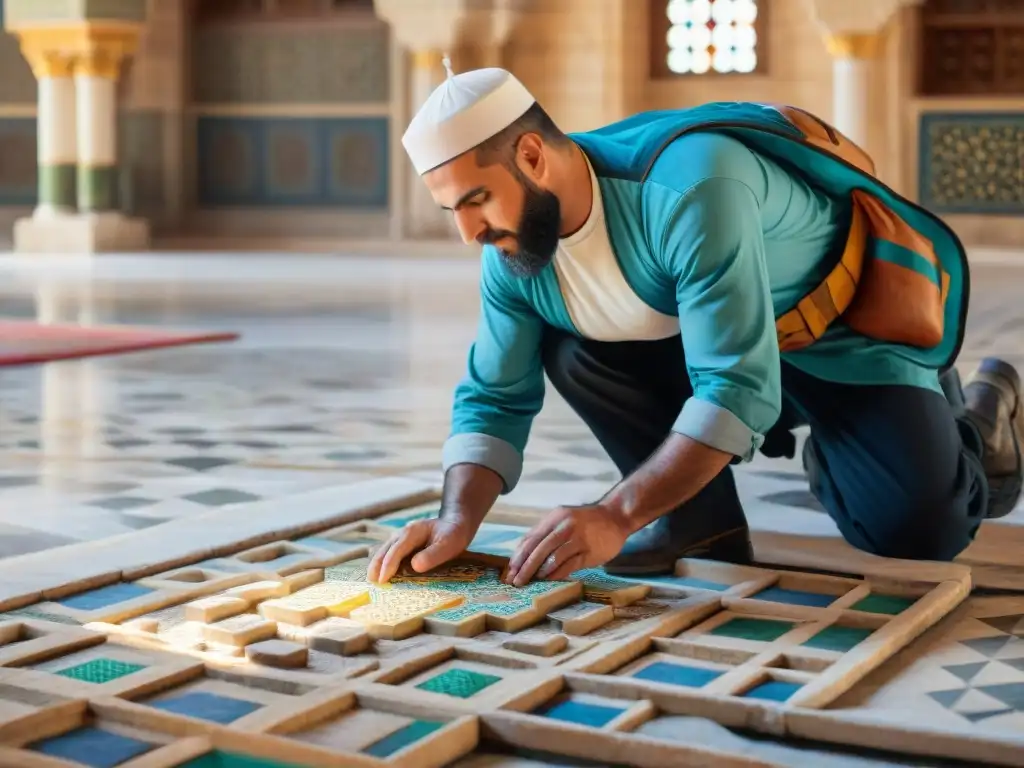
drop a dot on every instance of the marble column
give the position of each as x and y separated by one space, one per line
852 54
425 218
96 91
55 128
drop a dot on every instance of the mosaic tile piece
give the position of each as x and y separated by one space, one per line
970 162
760 630
887 604
91 746
772 690
795 597
597 580
99 671
391 609
836 638
402 738
219 759
207 706
580 713
316 602
459 683
677 674
104 597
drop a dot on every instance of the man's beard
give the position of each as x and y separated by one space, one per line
537 234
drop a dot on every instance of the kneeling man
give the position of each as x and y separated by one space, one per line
696 283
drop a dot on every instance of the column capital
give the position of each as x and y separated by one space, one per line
441 25
854 45
45 63
92 48
854 28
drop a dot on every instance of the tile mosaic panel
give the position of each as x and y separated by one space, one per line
283 162
972 162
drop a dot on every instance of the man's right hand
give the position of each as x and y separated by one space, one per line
435 541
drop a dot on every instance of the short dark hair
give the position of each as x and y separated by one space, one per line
501 148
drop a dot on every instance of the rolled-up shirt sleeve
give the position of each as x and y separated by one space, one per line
709 240
503 389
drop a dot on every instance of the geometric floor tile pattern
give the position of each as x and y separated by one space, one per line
993 686
968 677
345 379
430 652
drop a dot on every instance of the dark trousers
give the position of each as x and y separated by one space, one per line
895 467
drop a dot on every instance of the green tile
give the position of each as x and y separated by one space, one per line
218 759
888 604
460 683
763 630
99 671
838 638
402 738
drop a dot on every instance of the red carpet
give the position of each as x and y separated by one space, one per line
23 342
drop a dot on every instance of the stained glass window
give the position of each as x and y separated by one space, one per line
712 36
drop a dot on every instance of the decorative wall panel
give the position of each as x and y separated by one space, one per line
972 162
308 162
18 167
337 65
971 47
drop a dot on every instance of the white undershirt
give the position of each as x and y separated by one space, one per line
599 300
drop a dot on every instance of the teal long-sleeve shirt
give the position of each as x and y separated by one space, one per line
717 234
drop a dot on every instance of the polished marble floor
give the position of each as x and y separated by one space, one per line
344 371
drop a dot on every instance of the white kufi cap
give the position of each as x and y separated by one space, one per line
462 113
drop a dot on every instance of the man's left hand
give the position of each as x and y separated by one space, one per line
566 540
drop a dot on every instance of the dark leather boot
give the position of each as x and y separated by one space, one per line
993 405
654 550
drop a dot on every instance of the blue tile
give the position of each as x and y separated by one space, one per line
230 161
207 706
356 158
104 597
93 747
772 690
678 674
581 713
795 597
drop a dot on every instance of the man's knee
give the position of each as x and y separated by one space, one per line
920 524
